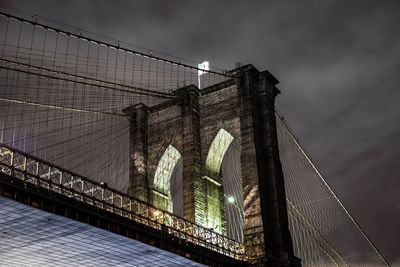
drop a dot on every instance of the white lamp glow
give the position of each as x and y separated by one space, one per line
231 199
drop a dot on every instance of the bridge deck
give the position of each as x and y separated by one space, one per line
43 185
31 237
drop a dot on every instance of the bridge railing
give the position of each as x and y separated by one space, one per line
45 175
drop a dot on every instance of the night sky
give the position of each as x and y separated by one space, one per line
337 62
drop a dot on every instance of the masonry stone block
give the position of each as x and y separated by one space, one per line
244 107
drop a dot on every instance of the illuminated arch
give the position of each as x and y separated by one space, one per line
213 181
217 151
162 178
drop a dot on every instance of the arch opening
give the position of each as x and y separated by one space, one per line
224 196
167 186
216 153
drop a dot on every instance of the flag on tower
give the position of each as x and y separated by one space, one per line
203 67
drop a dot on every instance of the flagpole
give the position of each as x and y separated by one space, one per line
199 80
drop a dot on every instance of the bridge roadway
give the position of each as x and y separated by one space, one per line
37 183
32 237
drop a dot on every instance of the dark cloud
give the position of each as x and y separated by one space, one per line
338 63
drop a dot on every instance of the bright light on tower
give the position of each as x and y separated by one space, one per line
231 199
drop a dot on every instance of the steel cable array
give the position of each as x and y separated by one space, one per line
323 231
62 93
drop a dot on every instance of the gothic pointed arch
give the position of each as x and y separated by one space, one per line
163 195
215 211
217 151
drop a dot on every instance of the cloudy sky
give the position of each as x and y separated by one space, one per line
337 61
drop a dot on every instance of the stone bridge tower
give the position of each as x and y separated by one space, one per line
187 138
